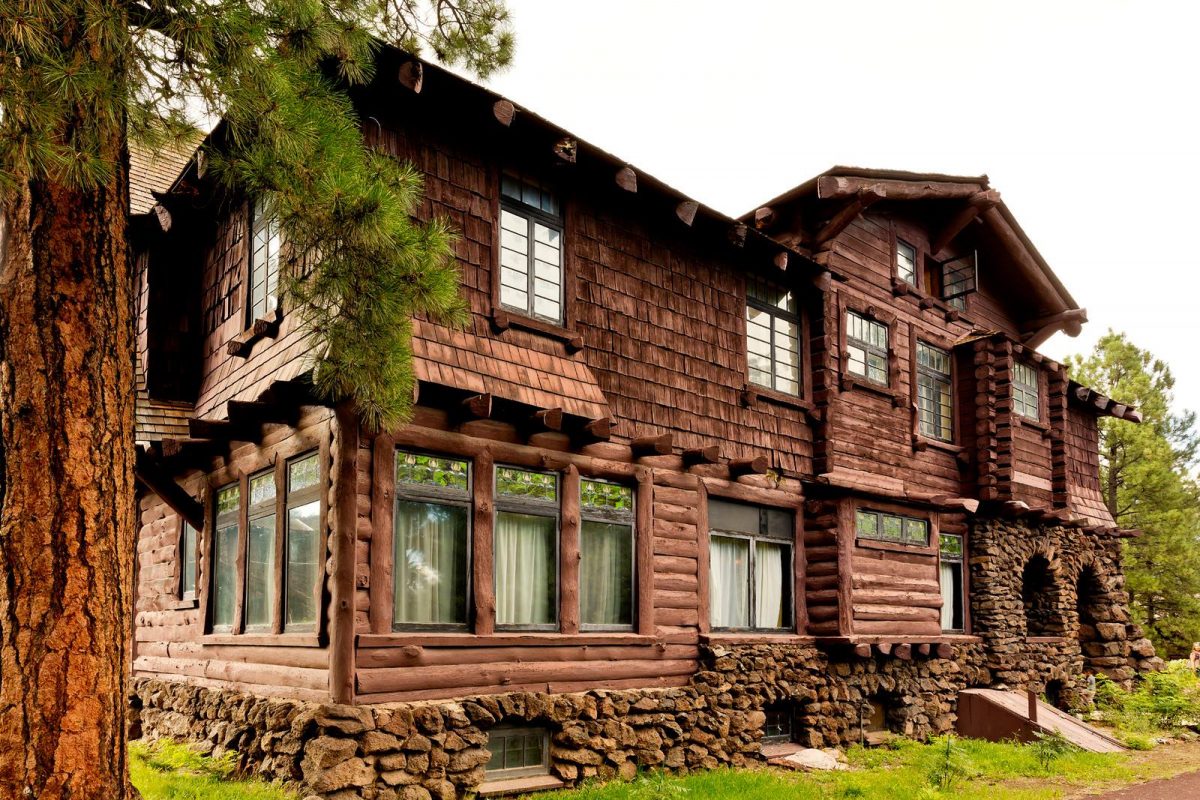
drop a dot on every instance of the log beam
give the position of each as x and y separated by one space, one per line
701 455
155 479
476 407
831 187
1043 288
861 201
976 205
862 650
945 650
659 445
764 218
686 211
903 652
504 111
747 466
597 430
626 178
412 76
1039 330
550 419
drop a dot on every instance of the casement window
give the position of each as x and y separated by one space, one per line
606 556
431 541
906 262
518 752
1026 396
188 562
224 558
772 336
884 526
867 345
303 545
934 393
265 244
531 250
950 575
259 604
525 549
750 566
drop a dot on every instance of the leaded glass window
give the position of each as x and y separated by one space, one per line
431 541
606 587
265 243
867 345
531 249
772 336
750 566
934 394
1025 391
887 527
525 549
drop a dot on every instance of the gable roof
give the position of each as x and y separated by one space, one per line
156 171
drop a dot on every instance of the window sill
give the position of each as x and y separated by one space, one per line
184 604
923 442
504 639
502 320
896 547
262 639
1036 424
754 637
513 786
263 328
852 382
752 393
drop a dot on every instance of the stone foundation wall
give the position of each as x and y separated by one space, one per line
437 750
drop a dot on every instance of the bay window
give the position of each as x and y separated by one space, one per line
525 548
430 543
750 566
606 556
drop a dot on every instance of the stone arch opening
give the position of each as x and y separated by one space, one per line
1091 607
1055 694
880 717
1039 593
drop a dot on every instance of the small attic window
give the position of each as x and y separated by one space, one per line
264 261
1025 391
531 250
906 262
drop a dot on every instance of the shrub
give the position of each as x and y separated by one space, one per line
950 764
1167 699
1049 747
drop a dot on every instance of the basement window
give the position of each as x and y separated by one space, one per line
518 752
531 244
885 527
779 727
867 346
772 337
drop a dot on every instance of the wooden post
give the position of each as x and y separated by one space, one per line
845 577
341 548
481 532
644 533
799 573
1033 705
569 554
651 445
383 506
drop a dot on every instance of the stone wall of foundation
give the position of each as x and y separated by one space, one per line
437 750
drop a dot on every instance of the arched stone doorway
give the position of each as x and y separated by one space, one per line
1040 595
1091 605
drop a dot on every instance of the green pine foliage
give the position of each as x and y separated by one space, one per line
1147 479
277 73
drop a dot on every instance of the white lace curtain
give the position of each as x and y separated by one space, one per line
526 573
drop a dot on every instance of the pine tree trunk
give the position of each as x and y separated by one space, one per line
66 490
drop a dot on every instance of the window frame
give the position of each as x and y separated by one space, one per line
898 243
931 518
254 512
798 318
256 206
420 493
613 516
504 732
961 561
1019 391
290 500
752 556
528 507
888 321
182 593
532 215
221 520
920 370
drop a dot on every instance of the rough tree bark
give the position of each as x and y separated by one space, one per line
66 489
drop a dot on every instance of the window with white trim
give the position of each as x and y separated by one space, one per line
935 406
531 250
772 336
1026 395
867 345
885 526
750 566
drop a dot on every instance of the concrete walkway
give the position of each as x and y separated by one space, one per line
1181 787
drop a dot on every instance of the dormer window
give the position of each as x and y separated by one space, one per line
772 337
531 260
264 261
1026 397
867 344
906 262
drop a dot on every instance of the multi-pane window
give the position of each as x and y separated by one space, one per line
750 566
531 260
606 555
260 554
772 336
934 398
950 574
224 557
431 541
906 262
265 243
187 562
304 543
778 725
525 548
867 344
1025 395
517 752
887 527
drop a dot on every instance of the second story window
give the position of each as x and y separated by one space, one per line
1025 394
867 345
750 566
431 541
606 555
906 262
265 242
934 398
525 549
224 558
531 257
772 337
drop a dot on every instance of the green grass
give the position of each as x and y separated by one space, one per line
904 771
168 771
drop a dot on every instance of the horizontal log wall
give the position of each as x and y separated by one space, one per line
170 639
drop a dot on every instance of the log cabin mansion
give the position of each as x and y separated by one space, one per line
684 487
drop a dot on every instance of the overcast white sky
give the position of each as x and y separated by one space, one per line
1083 114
